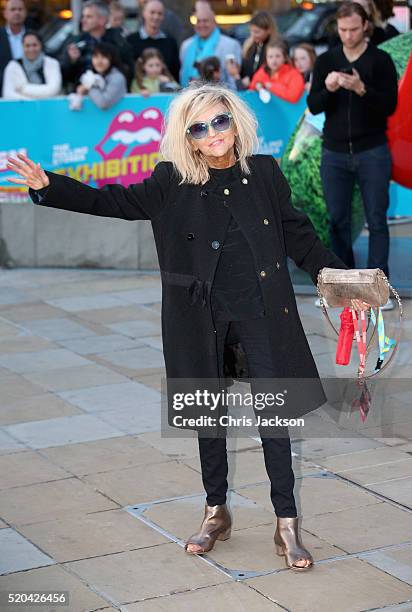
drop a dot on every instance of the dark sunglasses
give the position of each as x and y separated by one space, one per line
220 123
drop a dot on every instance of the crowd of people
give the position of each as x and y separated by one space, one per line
106 60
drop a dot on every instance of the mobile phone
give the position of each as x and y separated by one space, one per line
347 70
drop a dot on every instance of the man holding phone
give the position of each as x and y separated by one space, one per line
355 85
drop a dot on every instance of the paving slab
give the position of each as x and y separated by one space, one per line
134 420
50 500
394 561
14 387
25 342
86 302
134 359
35 408
20 469
399 489
135 329
104 455
314 448
128 576
361 529
105 316
63 430
100 344
383 473
222 597
36 361
143 295
64 379
7 330
54 578
57 328
18 554
91 535
9 444
31 312
362 459
136 485
348 585
10 295
131 394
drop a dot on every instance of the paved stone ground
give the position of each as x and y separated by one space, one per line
96 502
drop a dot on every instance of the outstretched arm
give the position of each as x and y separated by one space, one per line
139 201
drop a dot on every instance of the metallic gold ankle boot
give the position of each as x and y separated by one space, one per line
216 525
288 544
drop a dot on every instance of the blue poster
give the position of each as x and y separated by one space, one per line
118 145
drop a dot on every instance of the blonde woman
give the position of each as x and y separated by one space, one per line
223 225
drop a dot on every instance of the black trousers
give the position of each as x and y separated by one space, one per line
276 451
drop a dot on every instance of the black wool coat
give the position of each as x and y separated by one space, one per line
189 225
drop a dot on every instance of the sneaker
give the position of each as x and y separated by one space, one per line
317 302
388 306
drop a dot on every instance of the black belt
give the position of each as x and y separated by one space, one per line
198 289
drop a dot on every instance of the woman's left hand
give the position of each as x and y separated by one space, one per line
360 305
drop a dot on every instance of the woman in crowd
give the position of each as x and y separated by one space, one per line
385 12
263 29
304 57
151 74
376 33
223 226
105 84
277 75
35 75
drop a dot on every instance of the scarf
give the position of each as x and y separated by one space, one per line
33 68
197 50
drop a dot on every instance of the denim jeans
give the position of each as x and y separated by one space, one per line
372 170
276 451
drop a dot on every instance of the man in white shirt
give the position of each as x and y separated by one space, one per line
11 35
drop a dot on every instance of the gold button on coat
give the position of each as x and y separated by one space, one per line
286 310
244 181
263 273
226 191
277 265
266 221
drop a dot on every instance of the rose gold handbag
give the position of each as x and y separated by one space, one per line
338 287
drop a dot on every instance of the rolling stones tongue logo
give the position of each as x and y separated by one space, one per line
131 139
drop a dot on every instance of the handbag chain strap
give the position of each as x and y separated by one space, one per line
398 299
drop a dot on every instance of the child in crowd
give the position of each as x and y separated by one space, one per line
304 57
277 75
209 69
152 75
105 84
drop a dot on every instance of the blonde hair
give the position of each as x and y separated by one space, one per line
184 110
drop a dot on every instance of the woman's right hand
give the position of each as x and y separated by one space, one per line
33 175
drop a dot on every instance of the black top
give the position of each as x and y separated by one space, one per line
355 122
253 60
236 292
